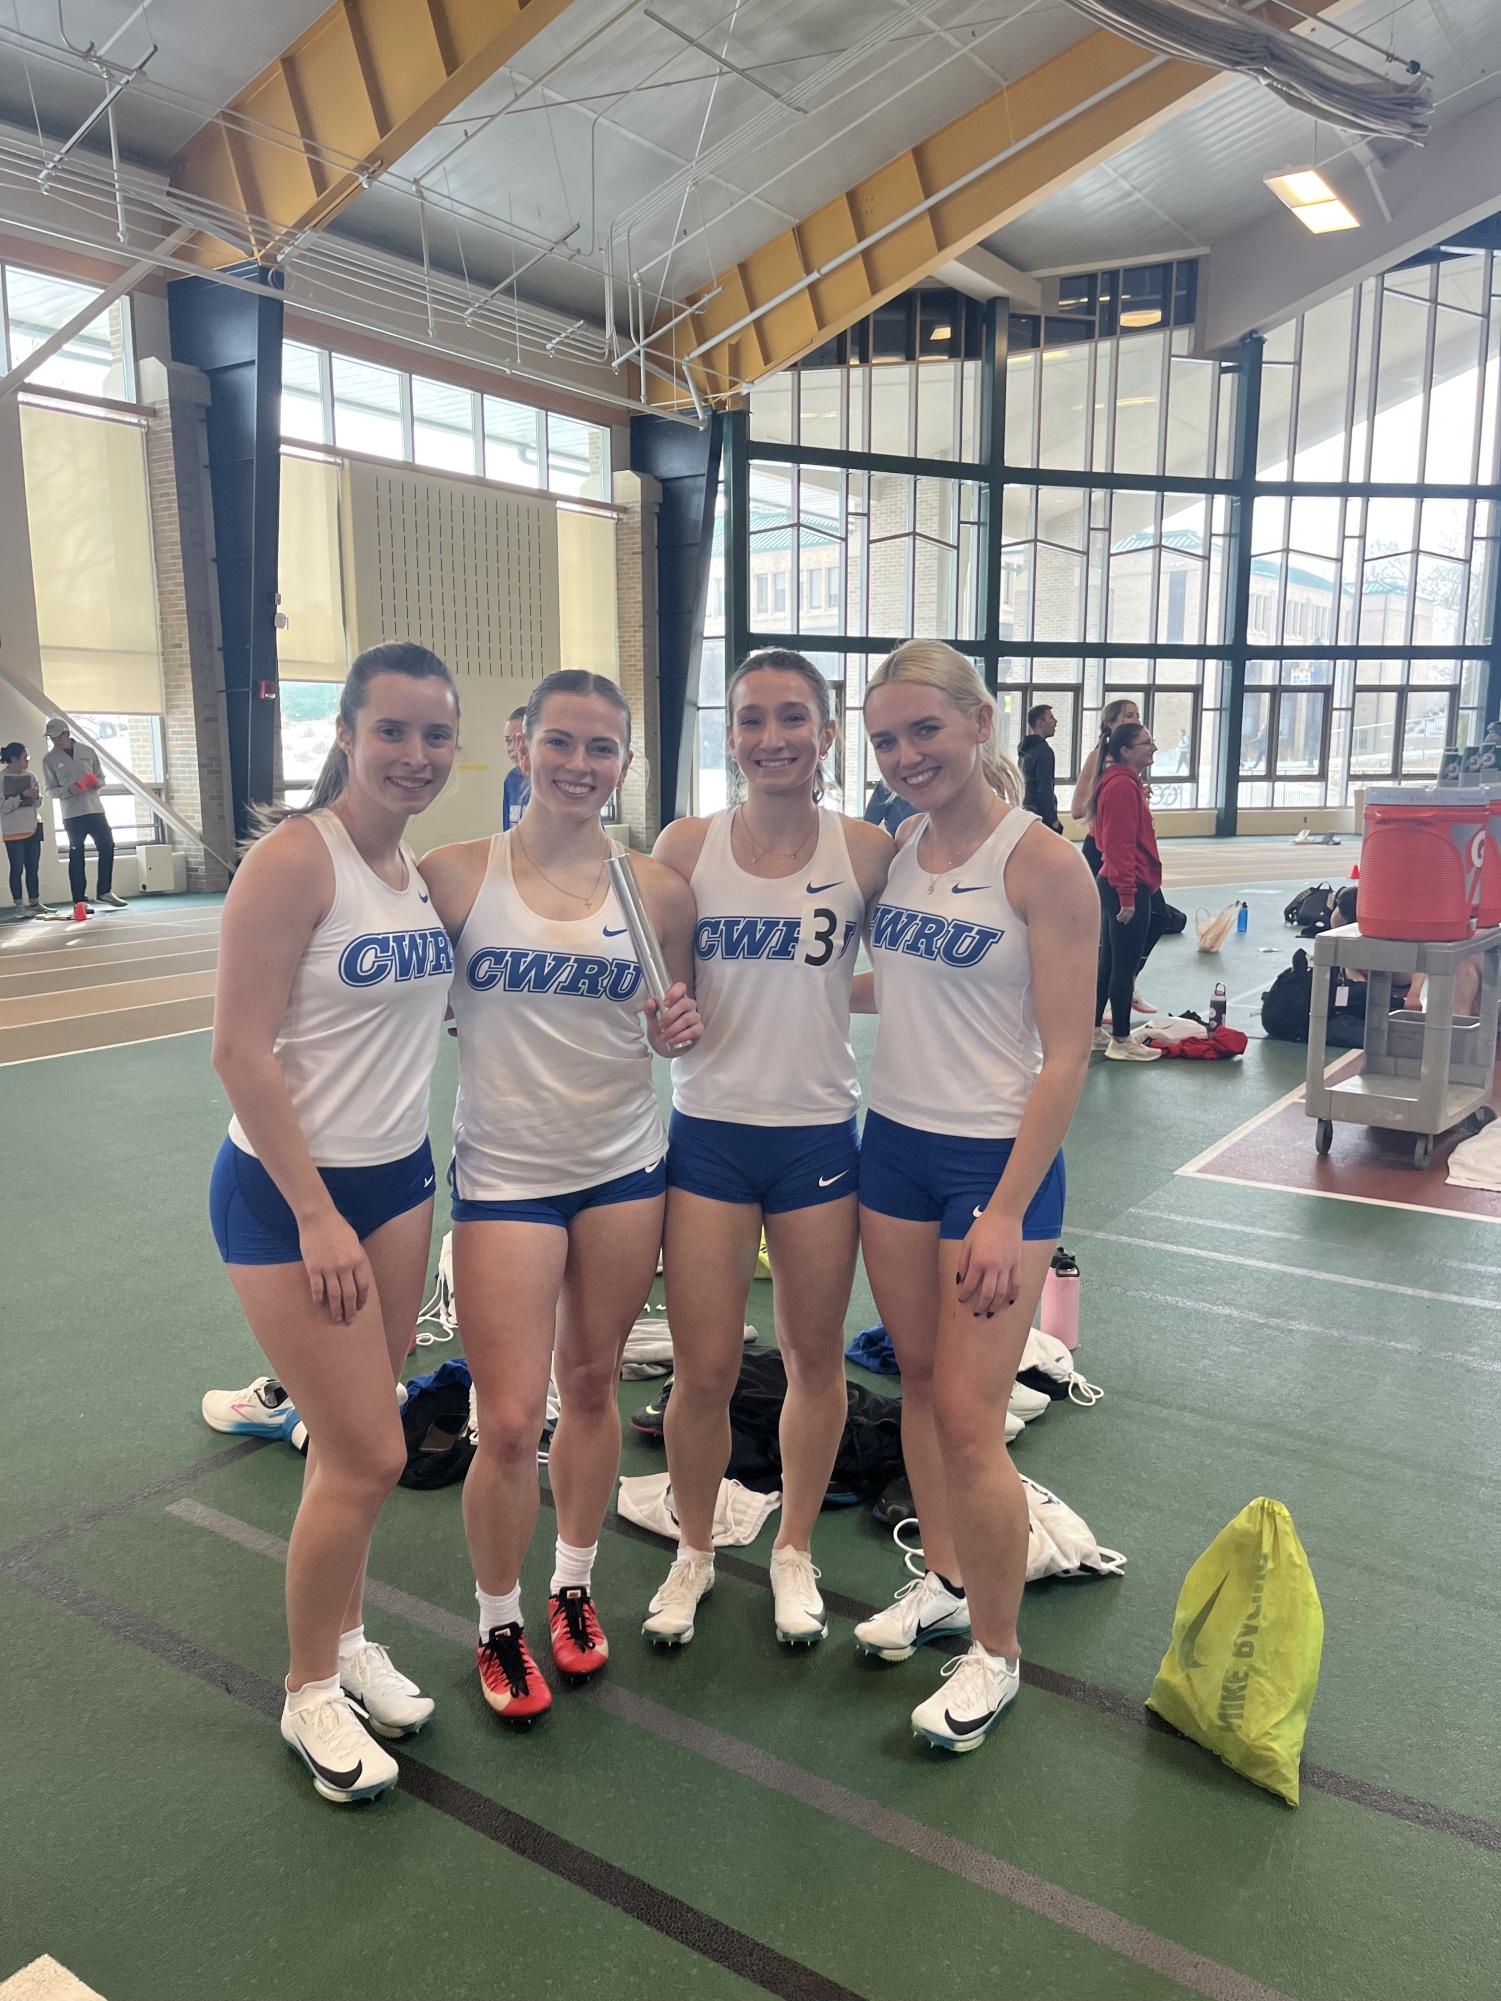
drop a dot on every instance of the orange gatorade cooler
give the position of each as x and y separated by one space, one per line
1422 862
1490 879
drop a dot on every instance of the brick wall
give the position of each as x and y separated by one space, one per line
195 744
636 623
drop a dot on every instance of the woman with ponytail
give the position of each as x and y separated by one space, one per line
1111 717
982 943
1130 884
333 979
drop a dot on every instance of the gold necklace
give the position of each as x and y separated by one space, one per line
562 888
933 874
760 855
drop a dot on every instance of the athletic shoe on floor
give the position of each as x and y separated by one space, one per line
579 1646
797 1607
36 909
923 1610
1139 1006
961 1716
670 1620
261 1410
1101 1039
512 1683
391 1704
114 902
345 1761
1131 1052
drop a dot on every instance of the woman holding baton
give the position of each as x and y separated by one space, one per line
557 1173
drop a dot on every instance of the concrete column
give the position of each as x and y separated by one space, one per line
636 621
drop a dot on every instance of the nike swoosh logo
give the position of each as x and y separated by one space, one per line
817 888
828 1180
429 1182
343 1780
968 889
616 934
1187 1658
962 1729
423 899
977 1214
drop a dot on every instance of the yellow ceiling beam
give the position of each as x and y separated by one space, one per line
352 94
835 266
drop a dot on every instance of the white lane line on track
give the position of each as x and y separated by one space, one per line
1366 1201
102 1048
1291 1271
1220 1311
1291 1236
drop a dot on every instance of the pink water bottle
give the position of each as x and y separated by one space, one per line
1059 1313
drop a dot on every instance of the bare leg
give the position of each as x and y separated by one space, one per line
398 1263
612 1260
902 1262
709 1264
507 1277
813 1266
340 1380
986 1503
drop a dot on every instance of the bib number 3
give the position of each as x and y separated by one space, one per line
825 928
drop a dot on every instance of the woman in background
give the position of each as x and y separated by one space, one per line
1129 882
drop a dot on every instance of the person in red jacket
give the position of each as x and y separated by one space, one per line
1130 884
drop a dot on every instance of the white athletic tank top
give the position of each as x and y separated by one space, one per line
957 1049
555 1084
773 961
359 1039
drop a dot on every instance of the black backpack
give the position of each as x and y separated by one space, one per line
1311 909
1287 1006
435 1420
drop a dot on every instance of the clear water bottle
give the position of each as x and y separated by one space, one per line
1242 919
1217 1006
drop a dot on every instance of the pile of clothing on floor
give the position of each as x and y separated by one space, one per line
1189 1035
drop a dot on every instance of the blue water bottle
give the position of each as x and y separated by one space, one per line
1242 920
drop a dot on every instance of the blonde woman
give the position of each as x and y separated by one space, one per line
983 943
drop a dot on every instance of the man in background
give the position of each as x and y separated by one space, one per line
1036 761
887 808
72 774
517 789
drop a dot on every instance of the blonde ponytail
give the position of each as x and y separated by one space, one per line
931 664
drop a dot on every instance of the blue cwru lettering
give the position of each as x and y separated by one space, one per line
398 955
518 969
948 941
746 938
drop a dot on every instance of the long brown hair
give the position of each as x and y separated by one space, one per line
782 660
1120 739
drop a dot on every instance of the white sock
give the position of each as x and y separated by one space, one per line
352 1641
686 1551
1010 1662
572 1566
787 1549
312 1693
501 1608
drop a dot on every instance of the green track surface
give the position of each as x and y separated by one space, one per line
159 1841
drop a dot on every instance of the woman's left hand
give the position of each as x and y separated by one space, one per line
673 1024
990 1261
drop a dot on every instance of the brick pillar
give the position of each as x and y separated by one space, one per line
636 622
196 747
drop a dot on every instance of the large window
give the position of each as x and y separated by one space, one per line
95 362
334 399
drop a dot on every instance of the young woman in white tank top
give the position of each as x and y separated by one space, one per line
763 1126
557 1172
984 946
333 978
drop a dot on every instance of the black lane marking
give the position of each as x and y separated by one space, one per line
171 1483
1125 1708
708 1937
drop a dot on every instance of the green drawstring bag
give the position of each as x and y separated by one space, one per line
1248 1635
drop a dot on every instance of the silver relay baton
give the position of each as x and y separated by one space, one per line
643 937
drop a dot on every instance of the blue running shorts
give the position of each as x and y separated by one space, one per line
778 1167
637 1186
253 1224
939 1178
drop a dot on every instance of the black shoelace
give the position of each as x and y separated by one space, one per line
574 1605
503 1647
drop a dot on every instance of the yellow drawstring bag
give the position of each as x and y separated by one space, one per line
1248 1635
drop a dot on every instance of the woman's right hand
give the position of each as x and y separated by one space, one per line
1126 912
337 1268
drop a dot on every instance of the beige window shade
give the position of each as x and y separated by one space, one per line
88 510
312 645
587 633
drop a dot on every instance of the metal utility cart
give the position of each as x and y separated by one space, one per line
1425 1072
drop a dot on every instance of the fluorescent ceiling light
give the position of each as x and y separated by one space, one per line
1311 200
1142 316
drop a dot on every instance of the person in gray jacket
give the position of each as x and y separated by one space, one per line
73 775
21 826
